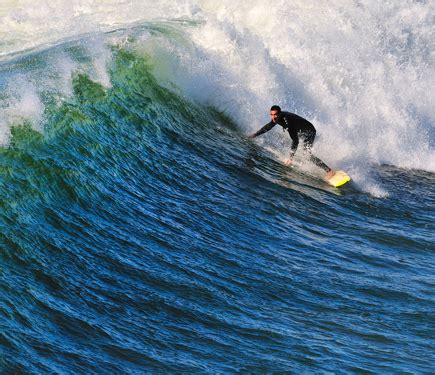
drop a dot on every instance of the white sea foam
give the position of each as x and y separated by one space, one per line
362 72
23 103
27 86
364 75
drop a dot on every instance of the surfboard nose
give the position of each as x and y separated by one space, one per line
338 179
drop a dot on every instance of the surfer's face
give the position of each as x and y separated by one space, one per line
274 115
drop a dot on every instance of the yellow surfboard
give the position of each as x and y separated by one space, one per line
338 179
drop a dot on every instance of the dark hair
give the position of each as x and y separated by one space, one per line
276 108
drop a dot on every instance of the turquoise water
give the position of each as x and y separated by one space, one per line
141 231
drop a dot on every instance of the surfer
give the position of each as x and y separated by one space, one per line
298 129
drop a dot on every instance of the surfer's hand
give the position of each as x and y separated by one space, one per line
251 136
288 162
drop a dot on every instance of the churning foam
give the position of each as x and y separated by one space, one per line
362 72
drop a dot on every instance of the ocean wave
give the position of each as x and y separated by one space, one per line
240 61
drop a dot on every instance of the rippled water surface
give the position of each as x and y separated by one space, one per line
142 231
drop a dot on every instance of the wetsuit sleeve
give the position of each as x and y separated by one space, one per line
264 129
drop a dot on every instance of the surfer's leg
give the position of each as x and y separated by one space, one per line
308 145
319 163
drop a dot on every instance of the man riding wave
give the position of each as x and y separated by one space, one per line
299 129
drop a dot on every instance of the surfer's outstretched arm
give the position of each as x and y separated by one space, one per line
263 130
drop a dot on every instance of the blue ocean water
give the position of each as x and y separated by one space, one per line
142 231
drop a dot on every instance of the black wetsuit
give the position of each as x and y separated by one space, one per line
298 128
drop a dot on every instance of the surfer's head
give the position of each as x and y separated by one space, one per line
275 110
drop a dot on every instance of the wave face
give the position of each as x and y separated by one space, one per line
140 230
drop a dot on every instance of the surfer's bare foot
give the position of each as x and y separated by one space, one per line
330 174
